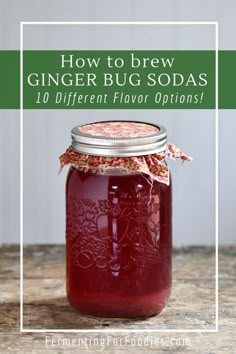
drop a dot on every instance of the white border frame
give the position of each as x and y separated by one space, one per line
115 330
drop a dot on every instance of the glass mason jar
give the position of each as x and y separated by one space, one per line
118 223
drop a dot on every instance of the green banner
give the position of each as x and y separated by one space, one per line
227 80
9 79
117 79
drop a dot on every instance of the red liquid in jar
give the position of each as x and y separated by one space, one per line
118 244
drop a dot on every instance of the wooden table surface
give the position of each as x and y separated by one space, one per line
191 308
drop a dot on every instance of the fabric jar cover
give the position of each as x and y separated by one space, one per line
153 164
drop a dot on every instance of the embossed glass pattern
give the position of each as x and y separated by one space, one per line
118 235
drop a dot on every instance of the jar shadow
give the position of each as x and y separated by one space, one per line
58 314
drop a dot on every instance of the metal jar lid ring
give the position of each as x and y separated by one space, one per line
119 138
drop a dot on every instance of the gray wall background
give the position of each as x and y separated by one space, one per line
47 133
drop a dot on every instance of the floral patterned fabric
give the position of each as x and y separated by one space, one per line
119 129
153 165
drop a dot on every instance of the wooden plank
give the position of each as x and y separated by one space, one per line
191 306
